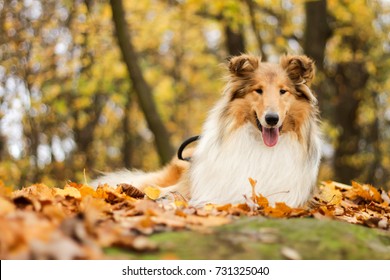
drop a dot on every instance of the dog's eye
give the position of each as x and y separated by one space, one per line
259 91
283 91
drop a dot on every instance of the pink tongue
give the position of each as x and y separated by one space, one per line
270 136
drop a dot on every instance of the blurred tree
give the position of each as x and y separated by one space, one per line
234 39
72 74
349 73
317 34
128 142
141 87
317 31
254 24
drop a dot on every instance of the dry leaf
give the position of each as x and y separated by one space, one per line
152 192
82 220
280 210
6 206
290 253
253 185
68 191
130 191
383 223
210 221
86 191
365 192
269 235
385 197
262 201
329 194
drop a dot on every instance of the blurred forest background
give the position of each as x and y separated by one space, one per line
99 85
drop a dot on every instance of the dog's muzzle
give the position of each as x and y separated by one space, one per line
270 134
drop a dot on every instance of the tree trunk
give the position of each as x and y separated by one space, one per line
251 7
141 87
235 43
2 138
317 33
127 146
351 77
84 136
375 170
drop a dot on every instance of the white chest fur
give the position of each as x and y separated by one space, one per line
221 168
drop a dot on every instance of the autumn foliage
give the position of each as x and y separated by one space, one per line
78 222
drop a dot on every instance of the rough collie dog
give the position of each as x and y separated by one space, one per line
264 127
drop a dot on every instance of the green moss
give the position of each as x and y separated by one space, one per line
260 238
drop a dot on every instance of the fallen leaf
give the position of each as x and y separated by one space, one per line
290 253
86 191
385 197
262 201
210 221
338 211
143 244
130 191
253 185
68 191
383 223
6 206
329 194
280 210
269 235
152 192
82 220
365 192
38 192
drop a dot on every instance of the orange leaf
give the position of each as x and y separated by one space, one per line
152 192
366 192
253 185
262 201
225 207
6 206
69 191
86 190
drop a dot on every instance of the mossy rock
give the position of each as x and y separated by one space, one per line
261 238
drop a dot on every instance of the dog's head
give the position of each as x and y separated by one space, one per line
275 98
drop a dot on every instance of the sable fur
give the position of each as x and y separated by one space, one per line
232 147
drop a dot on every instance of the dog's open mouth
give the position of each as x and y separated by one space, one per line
270 135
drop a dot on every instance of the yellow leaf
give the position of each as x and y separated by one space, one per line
253 183
152 192
36 191
180 203
209 207
6 206
329 194
69 191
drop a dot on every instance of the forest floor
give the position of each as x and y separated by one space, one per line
78 222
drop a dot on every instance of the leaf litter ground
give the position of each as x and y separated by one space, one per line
78 222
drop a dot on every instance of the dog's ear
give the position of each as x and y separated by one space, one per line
300 69
243 64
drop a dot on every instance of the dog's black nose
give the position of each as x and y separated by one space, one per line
271 119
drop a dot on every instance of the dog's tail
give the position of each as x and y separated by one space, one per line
171 177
